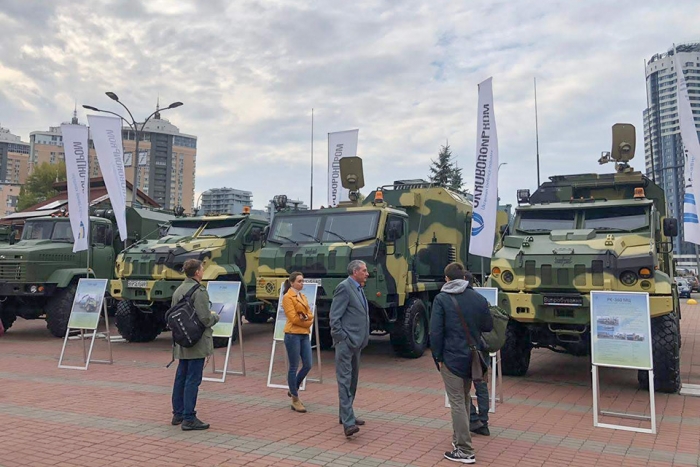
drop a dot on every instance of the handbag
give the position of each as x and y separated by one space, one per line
478 363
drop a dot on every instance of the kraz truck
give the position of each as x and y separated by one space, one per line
149 272
581 233
406 233
39 274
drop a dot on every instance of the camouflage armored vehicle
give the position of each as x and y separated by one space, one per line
39 274
406 232
148 273
580 233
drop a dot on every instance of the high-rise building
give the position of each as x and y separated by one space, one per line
225 200
662 131
14 169
167 159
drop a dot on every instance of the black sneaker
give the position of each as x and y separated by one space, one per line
177 419
460 456
195 424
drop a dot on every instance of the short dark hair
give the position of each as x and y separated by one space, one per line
454 271
191 267
468 276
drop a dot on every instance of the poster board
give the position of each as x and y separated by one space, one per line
223 296
87 304
489 293
310 289
621 338
223 300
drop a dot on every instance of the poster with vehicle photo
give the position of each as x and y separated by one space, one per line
87 304
223 296
310 290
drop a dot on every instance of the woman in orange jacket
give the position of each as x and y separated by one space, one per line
297 335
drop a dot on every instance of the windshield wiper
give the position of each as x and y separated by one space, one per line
287 238
534 230
609 229
310 236
333 233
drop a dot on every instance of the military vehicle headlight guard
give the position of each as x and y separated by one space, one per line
507 277
629 278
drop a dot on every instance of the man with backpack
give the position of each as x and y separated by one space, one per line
459 316
191 364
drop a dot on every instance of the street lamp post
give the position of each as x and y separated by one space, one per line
137 134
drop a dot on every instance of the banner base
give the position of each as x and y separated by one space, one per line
87 354
225 370
597 412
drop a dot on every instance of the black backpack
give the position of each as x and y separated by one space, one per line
183 322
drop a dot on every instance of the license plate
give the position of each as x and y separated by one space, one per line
559 300
312 281
136 284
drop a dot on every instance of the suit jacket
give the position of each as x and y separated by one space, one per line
349 316
296 304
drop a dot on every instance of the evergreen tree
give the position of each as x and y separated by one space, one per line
457 182
442 170
39 185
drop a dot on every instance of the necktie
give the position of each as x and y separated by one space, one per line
364 298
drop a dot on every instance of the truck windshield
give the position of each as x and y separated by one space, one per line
620 219
48 230
545 221
223 228
183 229
331 227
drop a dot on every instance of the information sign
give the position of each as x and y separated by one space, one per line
223 296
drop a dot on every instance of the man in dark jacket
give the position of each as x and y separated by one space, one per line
452 350
191 365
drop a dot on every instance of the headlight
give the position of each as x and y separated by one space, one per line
507 277
628 278
33 289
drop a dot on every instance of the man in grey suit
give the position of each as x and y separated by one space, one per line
350 330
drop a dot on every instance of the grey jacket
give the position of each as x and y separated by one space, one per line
205 346
349 316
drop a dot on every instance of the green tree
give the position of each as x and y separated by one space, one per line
444 171
39 185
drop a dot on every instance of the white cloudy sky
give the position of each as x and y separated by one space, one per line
404 72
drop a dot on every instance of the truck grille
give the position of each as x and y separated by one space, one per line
578 276
12 272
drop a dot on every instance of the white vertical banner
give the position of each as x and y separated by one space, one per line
75 147
485 176
340 144
691 152
107 136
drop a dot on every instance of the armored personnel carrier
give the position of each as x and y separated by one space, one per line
39 274
579 233
148 273
406 233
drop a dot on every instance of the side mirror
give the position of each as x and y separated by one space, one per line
671 227
256 234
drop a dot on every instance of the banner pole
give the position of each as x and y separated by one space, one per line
89 237
311 203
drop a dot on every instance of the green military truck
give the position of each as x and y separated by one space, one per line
5 233
581 233
39 274
406 233
148 273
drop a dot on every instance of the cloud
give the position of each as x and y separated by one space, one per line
404 73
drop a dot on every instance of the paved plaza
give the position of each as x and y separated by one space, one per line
120 414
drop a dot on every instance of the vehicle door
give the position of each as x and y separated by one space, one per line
102 253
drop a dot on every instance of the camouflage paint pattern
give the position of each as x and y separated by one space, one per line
157 264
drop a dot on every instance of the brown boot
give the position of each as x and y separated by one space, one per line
297 406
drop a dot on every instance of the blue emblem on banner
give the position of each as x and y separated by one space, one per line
477 224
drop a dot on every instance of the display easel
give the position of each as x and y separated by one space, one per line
496 389
87 354
624 314
279 323
225 371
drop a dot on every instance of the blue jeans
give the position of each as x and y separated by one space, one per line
482 400
187 381
298 345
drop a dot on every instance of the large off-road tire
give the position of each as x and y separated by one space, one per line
57 310
257 314
665 350
135 325
7 317
515 354
409 338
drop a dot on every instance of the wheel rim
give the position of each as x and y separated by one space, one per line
418 329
